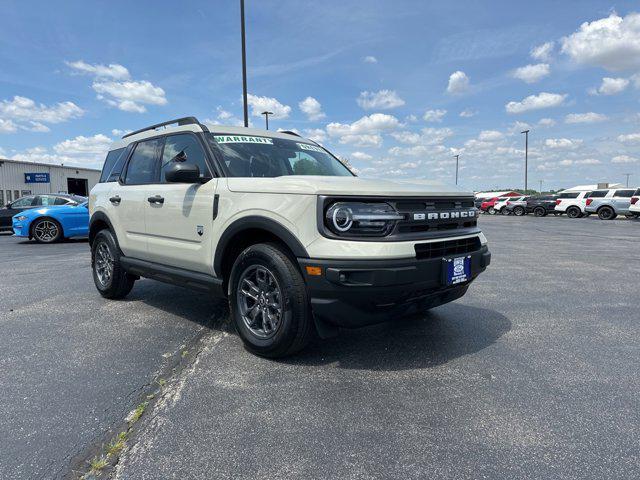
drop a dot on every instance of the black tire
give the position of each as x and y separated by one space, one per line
491 211
119 283
574 212
539 212
518 211
504 211
606 213
295 324
46 230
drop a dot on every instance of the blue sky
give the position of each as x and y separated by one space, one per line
396 87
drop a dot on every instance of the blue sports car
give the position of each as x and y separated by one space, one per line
50 224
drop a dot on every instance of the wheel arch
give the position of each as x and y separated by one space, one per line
99 221
248 231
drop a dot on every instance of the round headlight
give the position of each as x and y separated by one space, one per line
342 218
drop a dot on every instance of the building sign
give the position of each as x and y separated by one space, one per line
36 178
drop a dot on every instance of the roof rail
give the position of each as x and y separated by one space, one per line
290 133
179 121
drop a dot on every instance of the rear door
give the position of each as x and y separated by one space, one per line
180 217
128 198
622 200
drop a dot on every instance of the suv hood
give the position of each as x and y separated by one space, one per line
354 186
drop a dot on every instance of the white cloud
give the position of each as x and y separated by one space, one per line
468 113
81 145
22 109
543 52
224 117
458 83
361 156
267 104
434 136
589 117
7 126
312 109
130 95
629 138
371 126
415 151
546 122
409 165
588 161
406 137
370 59
113 70
623 159
562 143
490 136
383 100
612 43
532 73
434 115
611 86
411 118
316 134
362 140
536 102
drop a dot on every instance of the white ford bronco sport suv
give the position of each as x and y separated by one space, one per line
281 227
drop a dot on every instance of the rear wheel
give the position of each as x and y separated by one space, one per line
491 211
574 212
504 211
268 302
539 212
110 278
46 230
606 213
518 211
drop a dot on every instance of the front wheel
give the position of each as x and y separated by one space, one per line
573 212
491 211
539 212
111 280
46 230
518 211
268 302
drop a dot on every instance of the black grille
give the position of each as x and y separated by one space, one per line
446 248
410 207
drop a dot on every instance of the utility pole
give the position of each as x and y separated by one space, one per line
627 175
540 186
457 157
266 117
526 157
244 66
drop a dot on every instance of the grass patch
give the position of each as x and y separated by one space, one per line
115 447
97 464
137 413
162 382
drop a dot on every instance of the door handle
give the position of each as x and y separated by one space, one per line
115 200
155 199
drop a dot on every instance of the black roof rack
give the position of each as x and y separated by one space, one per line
290 133
179 121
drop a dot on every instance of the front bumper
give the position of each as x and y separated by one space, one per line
354 293
20 229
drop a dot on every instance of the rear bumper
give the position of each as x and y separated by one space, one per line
355 293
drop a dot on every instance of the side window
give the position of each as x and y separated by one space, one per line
46 200
184 148
624 193
112 165
22 202
61 201
143 163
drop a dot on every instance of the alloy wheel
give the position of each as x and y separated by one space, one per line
104 264
45 231
259 300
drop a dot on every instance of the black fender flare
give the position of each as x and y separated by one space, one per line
96 217
263 223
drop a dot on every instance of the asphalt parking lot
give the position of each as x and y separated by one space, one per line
533 374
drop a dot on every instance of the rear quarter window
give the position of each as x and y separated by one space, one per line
113 165
624 193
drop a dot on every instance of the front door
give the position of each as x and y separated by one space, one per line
179 216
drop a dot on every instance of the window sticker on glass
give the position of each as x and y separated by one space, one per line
242 139
313 148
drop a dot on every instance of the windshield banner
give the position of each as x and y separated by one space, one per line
313 148
242 139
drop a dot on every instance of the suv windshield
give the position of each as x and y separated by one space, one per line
253 156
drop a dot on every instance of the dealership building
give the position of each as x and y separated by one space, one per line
18 179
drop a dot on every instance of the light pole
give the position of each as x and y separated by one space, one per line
540 186
457 157
526 157
266 117
244 66
627 175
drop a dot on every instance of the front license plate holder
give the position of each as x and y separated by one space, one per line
456 270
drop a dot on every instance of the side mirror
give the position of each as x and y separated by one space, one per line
181 172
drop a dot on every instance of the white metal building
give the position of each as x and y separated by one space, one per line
18 179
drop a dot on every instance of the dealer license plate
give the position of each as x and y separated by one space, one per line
457 270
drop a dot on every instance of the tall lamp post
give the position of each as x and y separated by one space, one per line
627 175
244 66
457 157
266 117
540 186
526 157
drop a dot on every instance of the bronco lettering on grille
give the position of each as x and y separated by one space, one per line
444 215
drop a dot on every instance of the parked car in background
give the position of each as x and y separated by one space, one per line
572 203
51 224
634 203
541 205
517 206
608 203
489 205
34 201
503 202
